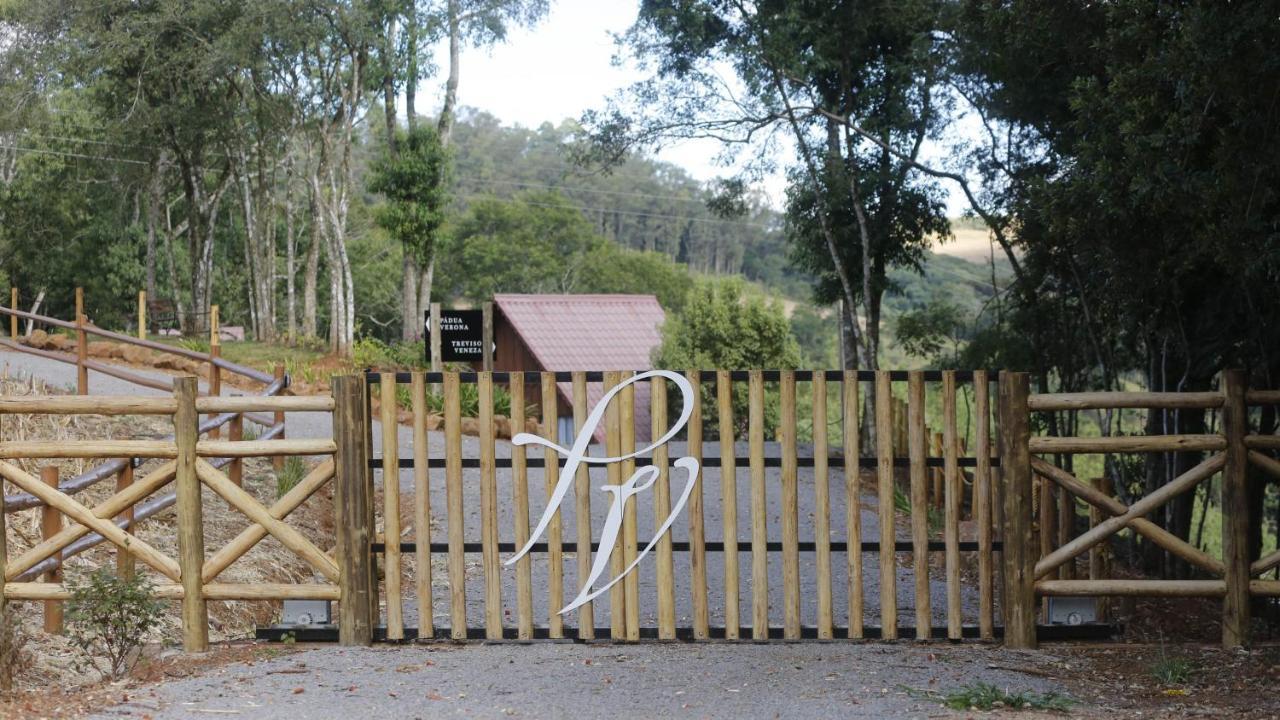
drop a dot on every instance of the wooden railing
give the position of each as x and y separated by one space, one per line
189 463
1033 555
237 410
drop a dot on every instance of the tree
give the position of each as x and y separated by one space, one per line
723 327
853 88
413 180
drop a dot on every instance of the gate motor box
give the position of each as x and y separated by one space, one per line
306 612
1073 610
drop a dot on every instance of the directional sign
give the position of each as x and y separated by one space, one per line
461 335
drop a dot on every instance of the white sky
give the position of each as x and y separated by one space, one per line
562 67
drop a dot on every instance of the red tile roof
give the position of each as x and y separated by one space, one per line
589 332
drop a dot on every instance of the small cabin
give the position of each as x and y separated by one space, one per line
578 332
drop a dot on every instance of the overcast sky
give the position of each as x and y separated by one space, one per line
562 67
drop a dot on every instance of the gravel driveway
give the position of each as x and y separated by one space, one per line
555 680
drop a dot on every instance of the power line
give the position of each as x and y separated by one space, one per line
714 221
63 153
570 188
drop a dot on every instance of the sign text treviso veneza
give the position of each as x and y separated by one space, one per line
461 335
641 480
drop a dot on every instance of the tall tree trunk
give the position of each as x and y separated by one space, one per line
291 253
175 294
155 201
408 298
411 67
311 279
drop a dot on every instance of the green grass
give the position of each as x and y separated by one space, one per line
290 475
1173 669
985 696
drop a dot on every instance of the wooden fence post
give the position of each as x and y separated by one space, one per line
215 352
277 461
353 504
235 433
82 346
13 319
1235 512
124 561
487 336
195 612
1020 550
50 525
142 314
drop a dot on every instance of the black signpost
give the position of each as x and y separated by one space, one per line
461 335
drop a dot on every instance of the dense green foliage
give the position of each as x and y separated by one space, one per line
109 617
413 183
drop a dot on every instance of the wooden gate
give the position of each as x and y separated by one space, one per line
778 540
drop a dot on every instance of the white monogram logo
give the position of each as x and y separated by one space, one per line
639 481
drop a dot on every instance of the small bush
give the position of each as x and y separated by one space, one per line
290 475
1172 670
193 344
108 618
14 657
985 696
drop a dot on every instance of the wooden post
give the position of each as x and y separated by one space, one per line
884 481
391 567
555 531
142 314
277 461
195 613
728 497
50 525
435 337
487 336
759 508
1020 550
1235 512
13 319
82 346
852 500
215 351
453 505
697 530
1098 554
790 508
917 451
235 472
422 503
353 505
952 496
124 561
982 504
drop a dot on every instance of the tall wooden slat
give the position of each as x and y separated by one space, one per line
555 530
759 508
954 488
422 508
195 612
697 528
661 509
582 496
1048 529
916 442
82 348
728 502
613 448
630 583
884 480
982 504
453 502
821 508
852 500
391 507
790 508
489 512
520 498
936 496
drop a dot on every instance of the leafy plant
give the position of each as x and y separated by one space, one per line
200 345
1173 670
986 696
290 475
902 504
14 657
108 618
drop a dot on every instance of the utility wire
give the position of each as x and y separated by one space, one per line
63 153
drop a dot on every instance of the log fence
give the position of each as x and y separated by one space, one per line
1044 566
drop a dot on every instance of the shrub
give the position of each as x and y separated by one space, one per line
985 696
290 475
14 657
1172 670
108 619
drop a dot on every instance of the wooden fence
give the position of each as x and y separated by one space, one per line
743 600
1033 557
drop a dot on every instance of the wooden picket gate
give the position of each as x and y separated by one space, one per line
736 534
